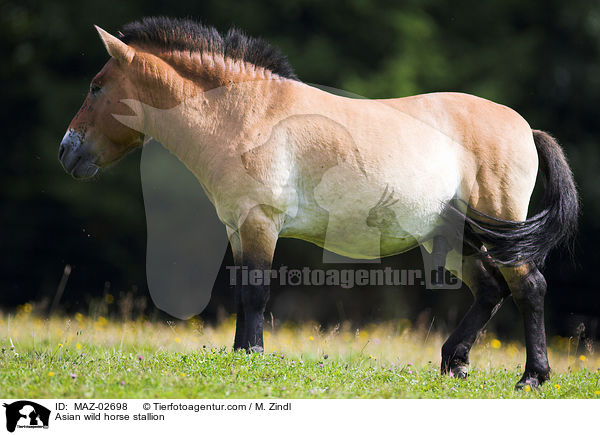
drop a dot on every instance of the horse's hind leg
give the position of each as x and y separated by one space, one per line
528 288
489 289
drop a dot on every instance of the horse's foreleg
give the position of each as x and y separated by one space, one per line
240 327
489 289
528 288
258 237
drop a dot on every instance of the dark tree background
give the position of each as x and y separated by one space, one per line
540 58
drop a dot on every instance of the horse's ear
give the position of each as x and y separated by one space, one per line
116 48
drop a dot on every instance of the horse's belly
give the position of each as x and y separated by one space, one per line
353 235
371 217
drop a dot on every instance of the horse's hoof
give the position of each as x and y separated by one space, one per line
256 349
529 382
533 380
459 371
456 369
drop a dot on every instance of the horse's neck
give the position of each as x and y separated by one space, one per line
214 124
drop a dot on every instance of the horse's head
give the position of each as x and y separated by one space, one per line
95 138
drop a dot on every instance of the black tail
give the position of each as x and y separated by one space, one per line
513 243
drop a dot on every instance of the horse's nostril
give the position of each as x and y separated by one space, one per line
61 151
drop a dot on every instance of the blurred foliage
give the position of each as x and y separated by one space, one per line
541 58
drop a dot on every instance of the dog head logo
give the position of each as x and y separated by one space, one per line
26 414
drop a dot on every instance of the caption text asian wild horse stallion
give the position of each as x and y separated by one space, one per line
278 158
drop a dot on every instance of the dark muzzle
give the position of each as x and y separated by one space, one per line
74 157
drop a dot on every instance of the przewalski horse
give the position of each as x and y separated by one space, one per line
279 158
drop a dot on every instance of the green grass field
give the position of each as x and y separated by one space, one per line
83 357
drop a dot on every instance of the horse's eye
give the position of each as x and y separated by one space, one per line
95 88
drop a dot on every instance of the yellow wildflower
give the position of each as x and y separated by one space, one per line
26 308
100 323
495 343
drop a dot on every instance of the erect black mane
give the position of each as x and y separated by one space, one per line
188 35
